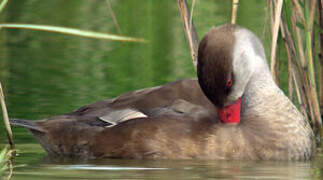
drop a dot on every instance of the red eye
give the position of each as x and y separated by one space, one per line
229 83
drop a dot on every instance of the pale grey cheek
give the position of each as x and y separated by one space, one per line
242 73
234 95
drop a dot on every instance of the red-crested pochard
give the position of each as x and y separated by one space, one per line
233 111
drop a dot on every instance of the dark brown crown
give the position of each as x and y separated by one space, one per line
214 68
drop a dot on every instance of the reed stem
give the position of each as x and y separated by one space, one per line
189 29
235 4
115 21
320 56
6 119
310 66
278 11
291 70
300 48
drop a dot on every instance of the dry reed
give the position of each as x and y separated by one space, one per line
189 29
235 5
115 21
296 28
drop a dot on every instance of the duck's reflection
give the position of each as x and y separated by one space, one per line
185 169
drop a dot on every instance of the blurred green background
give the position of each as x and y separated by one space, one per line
44 73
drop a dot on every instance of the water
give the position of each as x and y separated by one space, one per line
43 168
46 74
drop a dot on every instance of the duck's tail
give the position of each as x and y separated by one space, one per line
69 139
28 124
37 131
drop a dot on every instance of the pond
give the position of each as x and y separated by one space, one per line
46 74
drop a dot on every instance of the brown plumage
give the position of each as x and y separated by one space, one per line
177 120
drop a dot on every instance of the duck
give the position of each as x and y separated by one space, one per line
233 111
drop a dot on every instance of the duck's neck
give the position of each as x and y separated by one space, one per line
272 122
259 92
265 103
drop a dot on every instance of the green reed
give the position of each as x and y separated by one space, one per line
297 30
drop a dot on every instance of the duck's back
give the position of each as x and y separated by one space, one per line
179 97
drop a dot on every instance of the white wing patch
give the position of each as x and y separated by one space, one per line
122 115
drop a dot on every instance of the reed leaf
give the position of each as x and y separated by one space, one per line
72 31
5 163
3 4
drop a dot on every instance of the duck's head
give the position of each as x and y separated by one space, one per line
228 56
